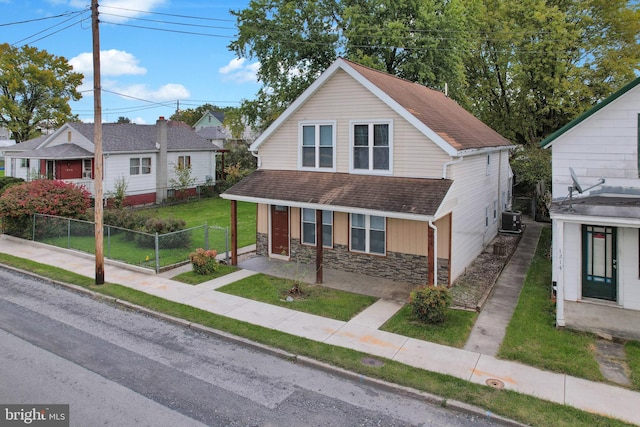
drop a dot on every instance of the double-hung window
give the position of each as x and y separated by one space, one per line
86 168
372 146
368 234
309 227
317 145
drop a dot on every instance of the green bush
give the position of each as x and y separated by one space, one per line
429 303
6 181
167 229
124 218
204 262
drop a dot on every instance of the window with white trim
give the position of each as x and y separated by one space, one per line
139 166
309 227
372 146
368 234
317 145
86 168
24 163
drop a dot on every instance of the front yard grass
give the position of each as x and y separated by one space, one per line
519 407
314 299
532 337
453 332
192 278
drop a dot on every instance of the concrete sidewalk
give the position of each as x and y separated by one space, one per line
360 333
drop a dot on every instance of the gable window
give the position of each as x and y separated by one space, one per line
368 234
317 145
86 168
372 145
309 227
184 162
139 166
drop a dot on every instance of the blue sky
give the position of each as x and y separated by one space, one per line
144 72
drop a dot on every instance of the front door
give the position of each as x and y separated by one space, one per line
599 262
280 230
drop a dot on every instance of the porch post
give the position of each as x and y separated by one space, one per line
234 232
318 246
430 256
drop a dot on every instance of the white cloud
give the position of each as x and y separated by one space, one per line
238 71
168 92
121 10
112 63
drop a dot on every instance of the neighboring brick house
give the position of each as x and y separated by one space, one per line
144 156
369 173
596 216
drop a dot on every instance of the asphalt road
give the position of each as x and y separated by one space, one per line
117 367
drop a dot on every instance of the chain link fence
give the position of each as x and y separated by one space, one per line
157 252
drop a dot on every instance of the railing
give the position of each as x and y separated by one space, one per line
153 251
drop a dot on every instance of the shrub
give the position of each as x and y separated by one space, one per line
19 202
124 218
6 181
429 303
203 262
167 229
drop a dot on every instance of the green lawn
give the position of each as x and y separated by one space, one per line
452 332
532 337
213 211
314 299
192 278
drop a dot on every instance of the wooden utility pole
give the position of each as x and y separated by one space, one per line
97 141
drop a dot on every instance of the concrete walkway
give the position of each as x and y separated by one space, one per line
491 325
361 334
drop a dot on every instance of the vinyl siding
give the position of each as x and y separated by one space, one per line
603 145
409 237
343 99
262 219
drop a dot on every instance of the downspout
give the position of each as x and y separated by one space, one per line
254 153
435 252
447 164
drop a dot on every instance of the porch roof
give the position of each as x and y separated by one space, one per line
381 195
616 207
58 152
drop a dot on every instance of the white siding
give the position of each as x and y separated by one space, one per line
343 99
203 164
472 193
603 145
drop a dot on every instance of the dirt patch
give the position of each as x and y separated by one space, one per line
471 289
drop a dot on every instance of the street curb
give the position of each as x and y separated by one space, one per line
276 352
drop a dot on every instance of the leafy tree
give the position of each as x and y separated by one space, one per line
540 63
123 119
35 90
191 116
183 180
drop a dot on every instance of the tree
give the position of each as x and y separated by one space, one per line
183 180
123 119
538 64
35 90
525 68
191 116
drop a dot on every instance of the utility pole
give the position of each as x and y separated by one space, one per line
97 141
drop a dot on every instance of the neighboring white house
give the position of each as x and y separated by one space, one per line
596 253
145 157
402 181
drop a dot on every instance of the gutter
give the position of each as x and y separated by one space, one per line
254 153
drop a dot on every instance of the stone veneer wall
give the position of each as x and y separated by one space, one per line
395 266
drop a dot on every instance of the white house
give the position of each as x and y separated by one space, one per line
144 157
402 182
596 216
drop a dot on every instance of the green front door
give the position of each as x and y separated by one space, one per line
599 263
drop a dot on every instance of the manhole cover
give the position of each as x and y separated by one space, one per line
495 383
371 362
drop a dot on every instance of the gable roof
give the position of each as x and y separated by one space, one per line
392 196
437 116
573 123
121 137
203 122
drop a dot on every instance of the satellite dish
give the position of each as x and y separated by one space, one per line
574 178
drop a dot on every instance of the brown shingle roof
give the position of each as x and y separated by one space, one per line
415 196
461 129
